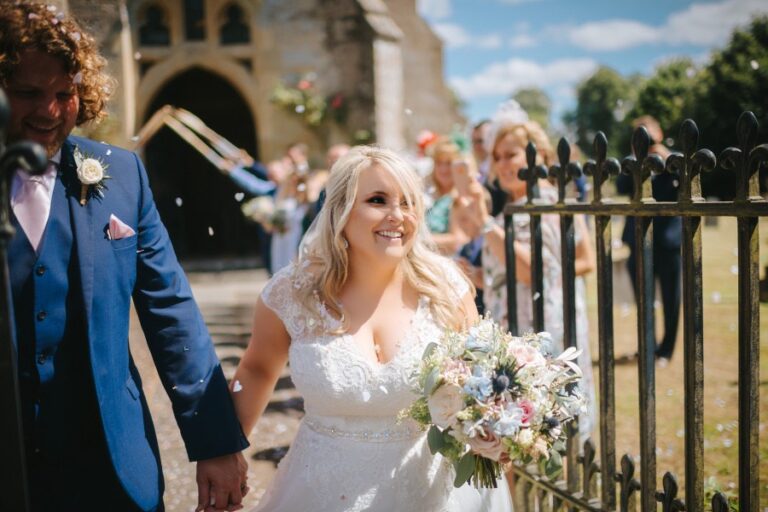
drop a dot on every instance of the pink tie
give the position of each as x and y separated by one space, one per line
32 206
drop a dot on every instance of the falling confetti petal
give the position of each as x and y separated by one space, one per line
210 231
239 196
383 390
409 112
680 433
719 427
134 138
137 56
76 36
366 396
716 297
78 78
735 270
754 64
299 109
670 392
109 152
656 304
624 310
536 296
237 387
179 201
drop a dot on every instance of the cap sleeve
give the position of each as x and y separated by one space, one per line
279 295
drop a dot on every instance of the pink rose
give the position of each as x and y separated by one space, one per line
488 445
528 411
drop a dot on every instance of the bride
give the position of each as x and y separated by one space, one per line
353 315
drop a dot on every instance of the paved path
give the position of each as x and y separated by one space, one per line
226 300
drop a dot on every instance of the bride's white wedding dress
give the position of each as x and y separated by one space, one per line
350 453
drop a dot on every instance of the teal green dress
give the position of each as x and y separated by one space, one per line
439 216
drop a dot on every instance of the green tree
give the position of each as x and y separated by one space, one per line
603 101
735 80
536 102
667 96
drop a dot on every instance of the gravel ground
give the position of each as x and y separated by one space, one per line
226 300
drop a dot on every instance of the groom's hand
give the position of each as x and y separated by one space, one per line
221 483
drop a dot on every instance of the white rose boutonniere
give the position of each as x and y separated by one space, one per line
92 173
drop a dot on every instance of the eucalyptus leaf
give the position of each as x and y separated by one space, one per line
432 382
435 439
428 351
464 469
554 465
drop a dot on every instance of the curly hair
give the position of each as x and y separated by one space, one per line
33 26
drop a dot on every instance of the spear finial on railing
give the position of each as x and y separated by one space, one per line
532 173
746 159
565 170
628 484
601 168
641 166
720 503
689 164
668 499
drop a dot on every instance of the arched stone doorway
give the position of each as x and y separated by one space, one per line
193 197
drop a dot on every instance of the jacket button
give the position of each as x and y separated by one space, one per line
40 270
41 316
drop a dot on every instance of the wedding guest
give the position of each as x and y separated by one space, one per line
80 254
353 316
667 239
292 204
441 192
511 136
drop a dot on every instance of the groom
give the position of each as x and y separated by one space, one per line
80 254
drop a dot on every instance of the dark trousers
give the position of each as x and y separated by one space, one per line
667 267
78 480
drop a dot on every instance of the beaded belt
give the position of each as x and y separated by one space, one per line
396 433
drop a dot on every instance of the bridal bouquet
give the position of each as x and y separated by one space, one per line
490 398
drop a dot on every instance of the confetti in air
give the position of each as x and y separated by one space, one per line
179 202
239 196
210 231
237 387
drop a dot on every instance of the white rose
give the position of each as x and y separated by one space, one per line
444 404
90 172
525 437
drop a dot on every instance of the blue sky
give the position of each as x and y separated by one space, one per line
494 47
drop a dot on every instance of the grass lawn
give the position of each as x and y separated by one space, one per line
720 367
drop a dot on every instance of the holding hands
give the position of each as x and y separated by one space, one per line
222 483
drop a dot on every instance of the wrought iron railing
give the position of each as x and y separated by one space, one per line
619 487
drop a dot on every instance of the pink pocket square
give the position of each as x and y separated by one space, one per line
119 229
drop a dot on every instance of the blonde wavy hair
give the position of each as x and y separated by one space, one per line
33 26
529 131
323 250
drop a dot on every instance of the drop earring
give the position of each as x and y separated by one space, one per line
346 243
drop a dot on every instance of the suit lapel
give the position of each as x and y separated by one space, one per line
82 226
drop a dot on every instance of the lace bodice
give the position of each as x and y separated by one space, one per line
334 377
350 452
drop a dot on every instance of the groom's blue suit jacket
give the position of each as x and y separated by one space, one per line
107 274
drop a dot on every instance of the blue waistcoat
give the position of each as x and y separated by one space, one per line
54 373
